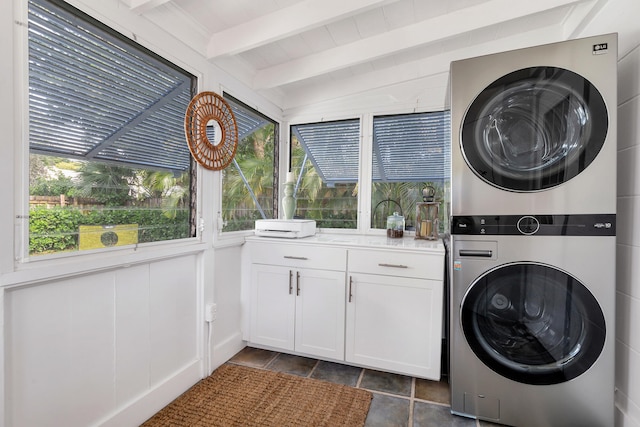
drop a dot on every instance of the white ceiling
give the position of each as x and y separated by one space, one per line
297 50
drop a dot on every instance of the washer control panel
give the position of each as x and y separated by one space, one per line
528 225
531 225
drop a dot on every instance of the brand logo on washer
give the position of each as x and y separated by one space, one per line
602 225
600 48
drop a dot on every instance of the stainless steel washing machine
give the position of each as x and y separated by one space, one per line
533 199
532 319
534 130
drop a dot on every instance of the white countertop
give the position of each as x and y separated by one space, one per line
359 240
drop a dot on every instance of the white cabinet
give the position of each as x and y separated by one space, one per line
377 306
395 310
297 298
272 307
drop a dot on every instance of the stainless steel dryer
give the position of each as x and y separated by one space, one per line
534 130
532 319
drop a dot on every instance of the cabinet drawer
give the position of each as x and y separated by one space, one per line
298 256
395 263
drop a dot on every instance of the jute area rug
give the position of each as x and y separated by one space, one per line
242 396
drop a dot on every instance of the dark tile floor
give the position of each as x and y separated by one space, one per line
398 400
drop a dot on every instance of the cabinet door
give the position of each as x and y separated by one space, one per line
320 306
272 306
395 324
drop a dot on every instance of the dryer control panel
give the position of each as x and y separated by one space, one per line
529 225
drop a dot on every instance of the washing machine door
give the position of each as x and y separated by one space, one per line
534 129
533 323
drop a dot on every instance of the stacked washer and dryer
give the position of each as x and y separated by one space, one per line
533 235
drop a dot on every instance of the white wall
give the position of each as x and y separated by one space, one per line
227 328
628 248
621 16
80 348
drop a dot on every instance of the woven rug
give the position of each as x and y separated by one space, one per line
242 396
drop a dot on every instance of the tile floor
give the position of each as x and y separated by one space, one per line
398 400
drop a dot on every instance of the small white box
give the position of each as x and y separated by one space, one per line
287 228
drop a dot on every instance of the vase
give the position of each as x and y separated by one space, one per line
288 201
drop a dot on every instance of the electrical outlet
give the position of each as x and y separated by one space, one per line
211 312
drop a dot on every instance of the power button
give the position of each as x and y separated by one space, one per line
528 225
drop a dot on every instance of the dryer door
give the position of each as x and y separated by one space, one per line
533 323
534 129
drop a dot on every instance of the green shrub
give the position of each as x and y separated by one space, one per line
53 230
56 229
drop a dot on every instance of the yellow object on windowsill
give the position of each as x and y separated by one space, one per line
106 236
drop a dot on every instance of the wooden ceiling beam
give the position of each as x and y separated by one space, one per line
437 65
141 6
300 17
428 31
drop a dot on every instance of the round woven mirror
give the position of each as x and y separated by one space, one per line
211 131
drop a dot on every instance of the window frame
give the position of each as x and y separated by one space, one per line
361 123
277 162
365 166
95 257
442 183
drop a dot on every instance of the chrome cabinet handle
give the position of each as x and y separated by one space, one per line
297 283
290 282
296 257
393 265
350 288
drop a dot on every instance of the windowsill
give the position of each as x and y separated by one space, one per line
231 238
49 268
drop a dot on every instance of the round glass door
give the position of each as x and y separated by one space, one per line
533 323
534 129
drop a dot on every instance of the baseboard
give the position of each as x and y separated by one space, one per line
627 412
155 399
145 406
226 349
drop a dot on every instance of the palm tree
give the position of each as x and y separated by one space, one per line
106 183
255 162
389 197
331 207
172 189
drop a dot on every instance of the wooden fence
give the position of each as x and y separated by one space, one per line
61 200
85 202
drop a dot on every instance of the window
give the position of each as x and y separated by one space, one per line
248 182
324 162
410 154
109 165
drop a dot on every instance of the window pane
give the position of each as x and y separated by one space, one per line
411 153
106 133
324 160
247 183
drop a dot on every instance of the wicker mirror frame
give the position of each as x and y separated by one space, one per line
204 108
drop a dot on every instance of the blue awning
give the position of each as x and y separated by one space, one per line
406 148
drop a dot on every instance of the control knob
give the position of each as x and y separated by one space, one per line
528 225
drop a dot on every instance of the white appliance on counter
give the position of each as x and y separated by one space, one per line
287 228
